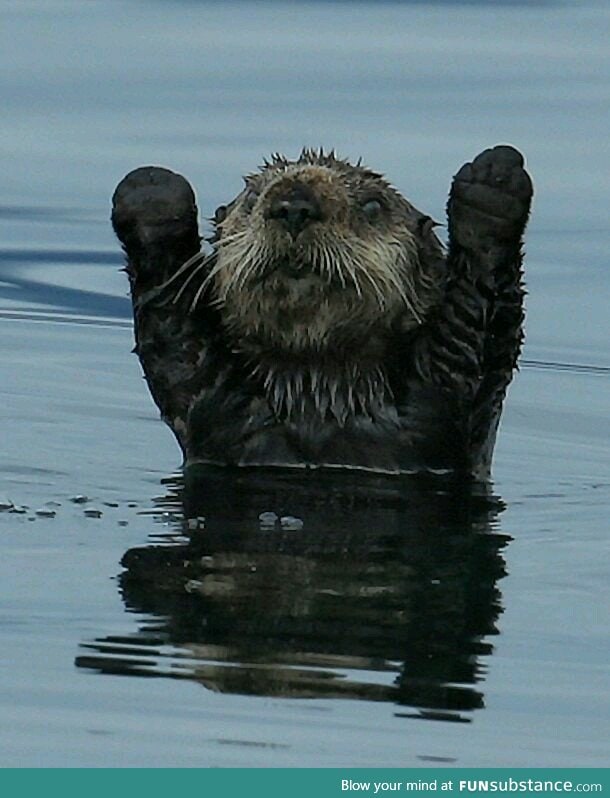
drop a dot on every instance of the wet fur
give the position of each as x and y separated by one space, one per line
355 344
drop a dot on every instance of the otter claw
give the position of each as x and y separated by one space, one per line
152 204
490 197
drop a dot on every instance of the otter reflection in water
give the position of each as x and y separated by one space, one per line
324 326
318 585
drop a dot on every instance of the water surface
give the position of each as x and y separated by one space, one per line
396 627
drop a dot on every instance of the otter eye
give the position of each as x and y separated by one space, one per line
250 199
372 207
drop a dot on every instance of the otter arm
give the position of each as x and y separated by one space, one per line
470 350
154 215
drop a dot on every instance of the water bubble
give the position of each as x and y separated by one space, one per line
291 523
268 520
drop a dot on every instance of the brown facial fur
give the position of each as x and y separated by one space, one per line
347 277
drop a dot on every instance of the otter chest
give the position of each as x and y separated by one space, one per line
410 436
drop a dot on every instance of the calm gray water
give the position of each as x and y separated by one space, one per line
386 632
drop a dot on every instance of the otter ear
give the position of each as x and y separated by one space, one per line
220 214
425 225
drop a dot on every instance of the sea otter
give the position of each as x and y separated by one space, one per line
324 324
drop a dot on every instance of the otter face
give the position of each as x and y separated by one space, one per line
315 251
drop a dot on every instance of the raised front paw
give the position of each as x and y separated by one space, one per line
490 199
153 206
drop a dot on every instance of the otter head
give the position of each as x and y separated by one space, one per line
317 252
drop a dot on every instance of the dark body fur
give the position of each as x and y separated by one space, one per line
394 359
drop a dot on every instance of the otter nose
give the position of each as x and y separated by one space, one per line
295 209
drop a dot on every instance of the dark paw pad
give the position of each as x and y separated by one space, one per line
490 198
151 205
